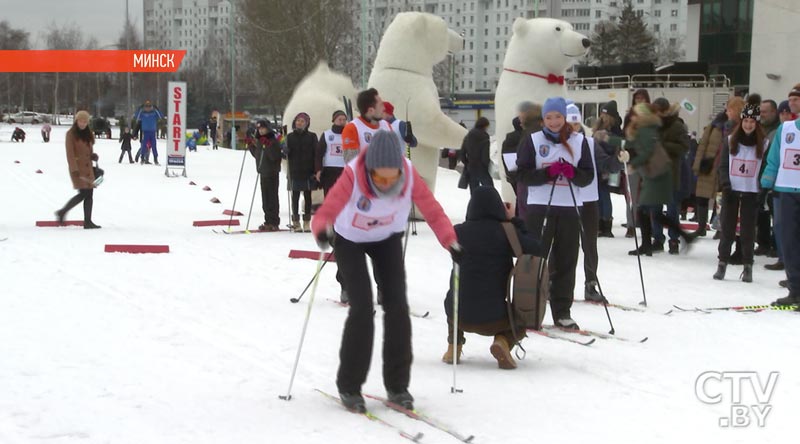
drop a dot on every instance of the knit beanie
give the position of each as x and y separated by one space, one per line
573 114
557 104
784 107
751 112
82 115
388 108
795 91
384 151
337 113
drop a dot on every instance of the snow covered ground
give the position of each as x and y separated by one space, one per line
195 346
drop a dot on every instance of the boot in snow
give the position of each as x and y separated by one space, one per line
590 292
747 273
502 352
353 402
720 274
403 399
447 358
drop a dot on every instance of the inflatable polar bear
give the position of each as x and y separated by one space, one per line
539 52
319 94
403 74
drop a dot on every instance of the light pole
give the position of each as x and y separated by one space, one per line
364 43
233 84
128 111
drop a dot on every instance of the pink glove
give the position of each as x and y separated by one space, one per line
567 170
554 170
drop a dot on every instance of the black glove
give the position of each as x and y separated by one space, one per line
325 238
271 135
409 138
95 157
456 252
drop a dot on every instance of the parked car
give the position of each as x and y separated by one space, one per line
25 117
101 127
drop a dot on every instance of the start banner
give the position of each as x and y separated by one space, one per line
176 121
99 60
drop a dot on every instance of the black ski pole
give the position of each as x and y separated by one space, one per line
325 261
583 240
413 208
252 200
236 195
630 207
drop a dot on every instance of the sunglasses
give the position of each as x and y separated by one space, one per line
384 180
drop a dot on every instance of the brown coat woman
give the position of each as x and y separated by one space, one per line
708 152
80 154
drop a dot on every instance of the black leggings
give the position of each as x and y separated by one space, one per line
84 195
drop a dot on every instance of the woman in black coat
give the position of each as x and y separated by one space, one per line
475 155
301 145
485 268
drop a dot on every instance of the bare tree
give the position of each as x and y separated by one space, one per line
287 38
12 39
669 50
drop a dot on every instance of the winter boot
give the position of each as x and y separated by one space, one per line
630 233
60 215
747 273
295 226
90 225
447 358
674 246
403 399
787 300
605 228
566 322
658 247
343 297
590 292
353 402
784 283
777 266
306 226
702 220
155 160
720 274
502 352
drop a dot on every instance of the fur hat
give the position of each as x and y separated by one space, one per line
384 151
388 108
557 104
751 112
82 115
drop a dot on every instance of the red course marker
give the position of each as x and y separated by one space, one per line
232 213
212 223
136 249
54 223
306 254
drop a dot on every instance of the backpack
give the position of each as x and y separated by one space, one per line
528 285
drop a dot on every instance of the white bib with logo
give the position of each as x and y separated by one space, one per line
334 154
744 168
365 132
374 219
789 169
548 153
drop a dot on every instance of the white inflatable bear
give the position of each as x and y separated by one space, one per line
319 94
539 52
403 74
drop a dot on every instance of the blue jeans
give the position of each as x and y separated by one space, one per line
776 224
606 210
673 208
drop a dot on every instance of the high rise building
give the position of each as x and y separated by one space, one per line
486 26
201 27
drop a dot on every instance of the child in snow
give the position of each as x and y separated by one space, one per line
125 141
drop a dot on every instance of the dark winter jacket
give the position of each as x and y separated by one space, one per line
475 151
510 144
655 190
675 140
267 151
488 259
125 140
300 148
610 108
639 92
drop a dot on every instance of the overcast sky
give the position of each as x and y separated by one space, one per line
102 19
